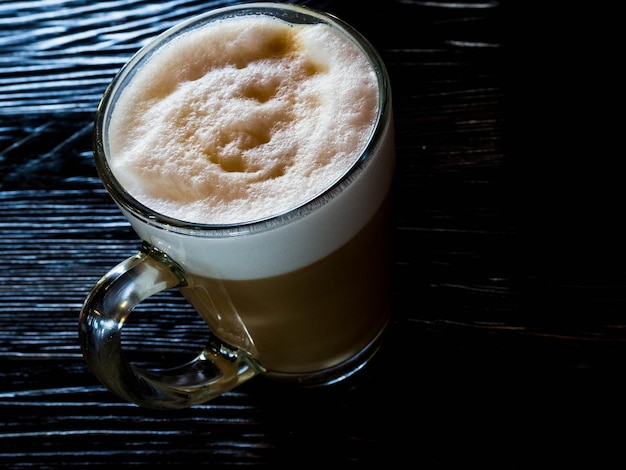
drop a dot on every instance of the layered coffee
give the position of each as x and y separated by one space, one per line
310 319
270 143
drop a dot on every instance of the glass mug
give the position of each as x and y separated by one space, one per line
301 296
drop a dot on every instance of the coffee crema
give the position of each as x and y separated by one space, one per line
243 119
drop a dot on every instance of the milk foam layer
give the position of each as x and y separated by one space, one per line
242 119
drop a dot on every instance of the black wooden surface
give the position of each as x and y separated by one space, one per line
508 341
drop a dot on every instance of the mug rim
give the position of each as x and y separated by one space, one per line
138 210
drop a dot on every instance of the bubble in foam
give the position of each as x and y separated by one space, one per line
243 119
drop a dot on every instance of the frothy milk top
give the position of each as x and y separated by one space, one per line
242 119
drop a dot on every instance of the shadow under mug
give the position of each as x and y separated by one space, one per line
301 297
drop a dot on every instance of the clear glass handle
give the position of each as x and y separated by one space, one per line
217 369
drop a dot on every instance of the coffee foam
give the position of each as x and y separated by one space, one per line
243 119
290 246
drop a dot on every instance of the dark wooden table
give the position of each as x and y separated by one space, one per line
508 340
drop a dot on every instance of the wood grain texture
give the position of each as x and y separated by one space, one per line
488 333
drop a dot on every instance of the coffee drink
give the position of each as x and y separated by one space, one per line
258 154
